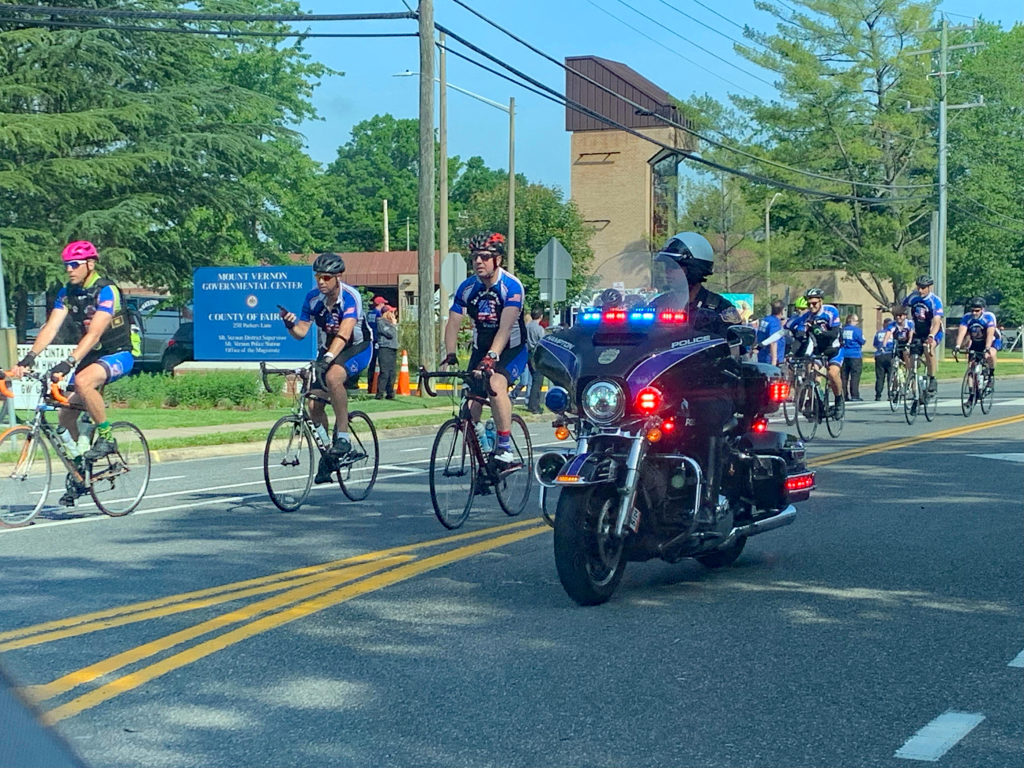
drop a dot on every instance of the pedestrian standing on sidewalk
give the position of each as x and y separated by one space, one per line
387 354
534 333
853 341
883 357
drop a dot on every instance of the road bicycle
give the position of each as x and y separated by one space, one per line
794 372
918 396
978 387
460 468
116 482
896 384
816 403
288 457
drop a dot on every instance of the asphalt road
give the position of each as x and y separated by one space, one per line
882 628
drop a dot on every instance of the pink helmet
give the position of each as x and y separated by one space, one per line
80 250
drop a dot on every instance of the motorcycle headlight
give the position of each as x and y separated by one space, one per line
603 401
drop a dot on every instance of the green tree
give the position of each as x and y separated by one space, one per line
149 144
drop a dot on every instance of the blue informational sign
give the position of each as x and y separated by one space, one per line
237 317
744 303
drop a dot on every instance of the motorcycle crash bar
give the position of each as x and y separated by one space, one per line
785 517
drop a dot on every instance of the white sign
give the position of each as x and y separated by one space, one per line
26 391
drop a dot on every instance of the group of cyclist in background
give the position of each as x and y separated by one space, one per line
916 327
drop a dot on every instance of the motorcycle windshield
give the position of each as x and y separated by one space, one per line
620 335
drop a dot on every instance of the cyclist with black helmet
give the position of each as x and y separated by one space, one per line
926 314
979 325
899 334
104 354
493 299
821 321
337 309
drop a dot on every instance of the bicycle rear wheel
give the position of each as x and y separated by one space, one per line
513 487
119 480
453 473
357 477
833 422
968 392
25 474
807 414
288 463
987 393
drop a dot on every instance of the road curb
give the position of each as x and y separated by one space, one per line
239 449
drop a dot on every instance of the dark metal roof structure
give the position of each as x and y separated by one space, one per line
654 102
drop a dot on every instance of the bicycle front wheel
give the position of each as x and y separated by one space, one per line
119 480
929 401
911 399
25 474
986 392
452 473
513 486
358 475
288 463
807 416
833 419
968 392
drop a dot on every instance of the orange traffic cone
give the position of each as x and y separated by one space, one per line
403 375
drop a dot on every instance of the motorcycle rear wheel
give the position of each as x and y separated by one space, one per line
588 558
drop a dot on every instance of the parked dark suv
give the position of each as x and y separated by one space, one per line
179 347
157 320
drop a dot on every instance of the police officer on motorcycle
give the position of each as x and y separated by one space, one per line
687 260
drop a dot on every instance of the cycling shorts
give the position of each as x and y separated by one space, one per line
837 358
511 363
116 365
355 358
979 346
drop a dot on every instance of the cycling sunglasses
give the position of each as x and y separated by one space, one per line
73 264
324 276
482 256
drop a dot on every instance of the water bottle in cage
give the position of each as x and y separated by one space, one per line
481 436
322 434
85 430
68 442
492 434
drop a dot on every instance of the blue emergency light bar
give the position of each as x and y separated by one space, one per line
639 316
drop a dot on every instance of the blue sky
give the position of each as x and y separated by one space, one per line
560 28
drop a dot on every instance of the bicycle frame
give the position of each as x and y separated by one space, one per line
40 426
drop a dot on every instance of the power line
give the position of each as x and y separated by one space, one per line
717 31
43 23
667 120
560 98
695 45
986 222
991 210
113 13
671 50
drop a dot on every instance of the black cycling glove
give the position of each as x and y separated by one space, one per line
28 360
452 359
62 369
322 364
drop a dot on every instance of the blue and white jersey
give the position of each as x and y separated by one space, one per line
770 324
826 318
883 347
484 305
977 327
328 319
922 309
901 331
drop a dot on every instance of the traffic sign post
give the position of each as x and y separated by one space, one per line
553 268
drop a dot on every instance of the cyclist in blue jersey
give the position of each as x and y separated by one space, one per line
821 322
899 334
981 328
337 310
775 352
104 353
493 299
926 314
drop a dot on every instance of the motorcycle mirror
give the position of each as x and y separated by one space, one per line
743 335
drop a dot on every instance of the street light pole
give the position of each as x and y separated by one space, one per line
768 248
425 257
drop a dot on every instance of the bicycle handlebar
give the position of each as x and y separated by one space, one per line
425 376
4 390
302 372
56 394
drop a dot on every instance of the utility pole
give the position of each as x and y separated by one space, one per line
768 249
387 235
427 352
442 95
510 258
937 262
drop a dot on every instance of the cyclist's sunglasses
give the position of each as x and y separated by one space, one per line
324 276
814 302
976 309
482 256
73 264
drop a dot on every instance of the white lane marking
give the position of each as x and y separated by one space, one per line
1018 661
1016 458
939 736
164 479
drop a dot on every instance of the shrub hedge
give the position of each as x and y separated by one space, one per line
213 389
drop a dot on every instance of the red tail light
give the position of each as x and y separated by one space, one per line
800 482
672 317
778 391
171 343
760 425
669 426
615 316
648 400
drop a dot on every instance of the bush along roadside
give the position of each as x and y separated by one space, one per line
216 389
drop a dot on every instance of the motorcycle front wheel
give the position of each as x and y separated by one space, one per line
588 557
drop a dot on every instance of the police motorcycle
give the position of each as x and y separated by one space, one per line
628 386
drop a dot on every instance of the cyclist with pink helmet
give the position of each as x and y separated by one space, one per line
104 353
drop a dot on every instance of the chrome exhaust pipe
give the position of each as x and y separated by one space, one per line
785 517
548 467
